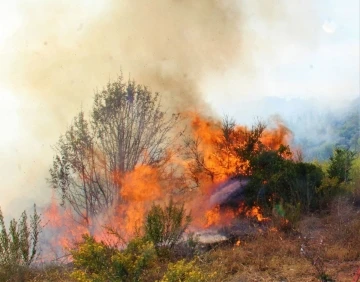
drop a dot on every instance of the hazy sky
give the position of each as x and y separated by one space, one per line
306 49
325 67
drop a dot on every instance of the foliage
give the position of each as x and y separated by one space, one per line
340 164
276 178
271 167
18 244
308 178
92 260
127 127
328 190
335 128
164 226
183 271
286 217
348 129
97 261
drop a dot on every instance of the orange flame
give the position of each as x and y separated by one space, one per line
255 212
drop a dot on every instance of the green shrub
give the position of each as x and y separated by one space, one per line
276 178
183 271
92 260
286 217
164 226
137 257
95 261
340 164
18 245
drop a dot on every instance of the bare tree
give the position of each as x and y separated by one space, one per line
127 127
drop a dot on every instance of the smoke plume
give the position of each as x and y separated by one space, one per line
64 50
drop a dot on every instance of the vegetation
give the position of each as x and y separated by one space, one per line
184 271
269 255
347 128
127 127
340 164
311 208
164 227
18 246
322 248
277 179
96 261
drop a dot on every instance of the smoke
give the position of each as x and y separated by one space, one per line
64 50
226 191
62 53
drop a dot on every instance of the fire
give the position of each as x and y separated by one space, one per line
61 231
139 189
213 216
255 212
217 217
219 159
209 159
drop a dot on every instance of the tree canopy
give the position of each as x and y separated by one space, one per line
127 126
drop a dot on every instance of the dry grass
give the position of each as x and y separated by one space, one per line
51 273
331 242
343 227
268 257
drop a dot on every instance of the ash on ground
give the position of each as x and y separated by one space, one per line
238 229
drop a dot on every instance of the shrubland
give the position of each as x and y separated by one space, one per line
319 246
311 208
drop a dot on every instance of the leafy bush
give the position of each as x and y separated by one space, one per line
138 256
276 178
92 260
308 177
182 271
340 164
286 216
96 261
341 179
164 226
18 245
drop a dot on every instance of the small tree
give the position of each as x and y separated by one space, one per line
164 226
127 127
340 164
18 244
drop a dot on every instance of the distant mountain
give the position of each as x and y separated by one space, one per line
316 127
